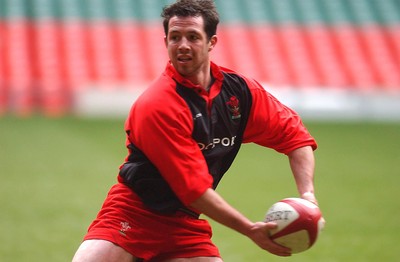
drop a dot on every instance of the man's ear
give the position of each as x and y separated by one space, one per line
165 41
212 43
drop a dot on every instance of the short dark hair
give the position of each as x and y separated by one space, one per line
186 8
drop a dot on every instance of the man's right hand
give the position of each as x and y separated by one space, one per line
259 233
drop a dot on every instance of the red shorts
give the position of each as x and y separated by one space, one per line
124 221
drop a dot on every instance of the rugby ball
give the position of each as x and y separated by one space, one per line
299 223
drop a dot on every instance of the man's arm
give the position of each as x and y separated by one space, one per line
302 164
214 206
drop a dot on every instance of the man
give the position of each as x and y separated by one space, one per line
183 133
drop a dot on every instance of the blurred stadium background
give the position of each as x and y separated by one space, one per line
336 60
328 59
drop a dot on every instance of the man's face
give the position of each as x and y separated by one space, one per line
188 46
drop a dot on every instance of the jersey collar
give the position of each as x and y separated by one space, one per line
215 71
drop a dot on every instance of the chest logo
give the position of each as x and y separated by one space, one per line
234 107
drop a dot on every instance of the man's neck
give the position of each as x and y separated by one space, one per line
206 80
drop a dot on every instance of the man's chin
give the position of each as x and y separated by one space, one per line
183 71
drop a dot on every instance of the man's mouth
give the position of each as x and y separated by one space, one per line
184 59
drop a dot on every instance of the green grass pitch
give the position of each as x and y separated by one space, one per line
55 174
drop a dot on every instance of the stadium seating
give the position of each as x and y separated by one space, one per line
51 49
312 43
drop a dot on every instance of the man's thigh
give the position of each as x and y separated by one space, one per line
101 251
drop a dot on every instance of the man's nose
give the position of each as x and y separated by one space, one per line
184 44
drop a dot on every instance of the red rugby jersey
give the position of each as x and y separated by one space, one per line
181 137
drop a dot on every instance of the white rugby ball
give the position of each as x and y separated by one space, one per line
299 223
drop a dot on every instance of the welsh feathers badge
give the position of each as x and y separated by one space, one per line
234 107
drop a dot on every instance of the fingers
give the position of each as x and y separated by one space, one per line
310 197
260 235
278 250
273 247
271 225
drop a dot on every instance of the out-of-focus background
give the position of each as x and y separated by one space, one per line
325 58
70 70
